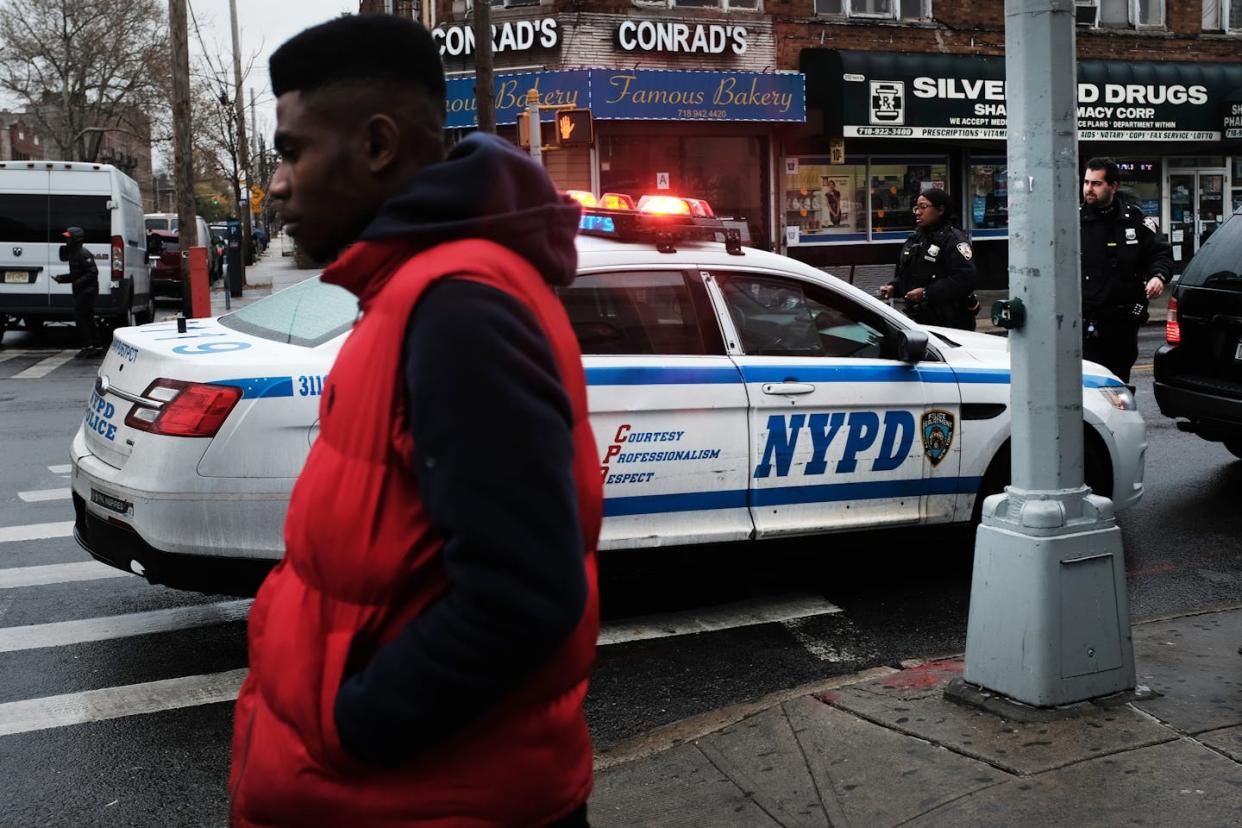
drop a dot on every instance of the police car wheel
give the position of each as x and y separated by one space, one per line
1235 446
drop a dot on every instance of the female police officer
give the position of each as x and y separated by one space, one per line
936 272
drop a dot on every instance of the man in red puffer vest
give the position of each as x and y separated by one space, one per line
421 654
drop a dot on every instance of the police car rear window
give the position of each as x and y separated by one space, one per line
1219 262
308 314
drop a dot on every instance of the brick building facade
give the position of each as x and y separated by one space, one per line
899 95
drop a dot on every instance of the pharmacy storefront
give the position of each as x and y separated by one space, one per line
900 123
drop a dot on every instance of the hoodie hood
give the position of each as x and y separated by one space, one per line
485 189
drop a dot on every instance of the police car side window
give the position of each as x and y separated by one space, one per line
640 313
785 317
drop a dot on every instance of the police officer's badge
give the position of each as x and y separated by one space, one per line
964 249
937 431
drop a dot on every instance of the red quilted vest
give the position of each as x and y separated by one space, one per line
361 562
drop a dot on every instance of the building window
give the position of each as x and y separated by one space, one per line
36 140
1236 203
1141 180
876 9
1123 14
986 207
1222 16
863 199
726 5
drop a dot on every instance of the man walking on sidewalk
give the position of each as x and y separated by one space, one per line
421 654
1124 266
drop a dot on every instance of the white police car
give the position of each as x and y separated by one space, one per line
735 394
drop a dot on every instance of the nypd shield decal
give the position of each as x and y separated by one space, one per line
937 432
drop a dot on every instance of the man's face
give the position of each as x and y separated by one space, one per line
1097 191
322 188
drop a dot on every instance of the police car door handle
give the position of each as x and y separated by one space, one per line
788 389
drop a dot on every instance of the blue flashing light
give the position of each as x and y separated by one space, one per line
597 224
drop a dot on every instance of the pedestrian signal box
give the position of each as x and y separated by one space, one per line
547 138
574 128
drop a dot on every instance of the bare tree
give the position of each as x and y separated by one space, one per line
84 67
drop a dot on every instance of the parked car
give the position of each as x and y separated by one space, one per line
1198 372
38 200
169 222
735 395
164 255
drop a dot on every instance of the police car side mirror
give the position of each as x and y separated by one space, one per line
63 253
911 345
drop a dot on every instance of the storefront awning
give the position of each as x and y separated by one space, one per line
640 95
891 95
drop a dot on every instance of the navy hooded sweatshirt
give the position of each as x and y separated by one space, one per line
487 411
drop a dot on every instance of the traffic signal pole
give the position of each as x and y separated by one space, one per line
1049 617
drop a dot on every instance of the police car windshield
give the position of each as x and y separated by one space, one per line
308 314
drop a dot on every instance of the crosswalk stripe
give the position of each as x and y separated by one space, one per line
65 469
65 633
41 495
46 365
728 616
36 531
27 576
117 702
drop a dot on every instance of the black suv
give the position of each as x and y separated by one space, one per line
1199 372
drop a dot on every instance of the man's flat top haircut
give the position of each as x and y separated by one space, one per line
371 49
1112 173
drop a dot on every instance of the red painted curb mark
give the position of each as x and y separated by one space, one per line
926 676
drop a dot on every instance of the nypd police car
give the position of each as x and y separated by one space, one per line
735 395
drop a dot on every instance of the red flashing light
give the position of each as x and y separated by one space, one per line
1172 327
700 208
616 201
664 205
583 197
191 409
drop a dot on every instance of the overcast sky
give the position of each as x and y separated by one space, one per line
264 25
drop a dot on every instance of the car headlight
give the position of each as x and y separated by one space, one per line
1119 397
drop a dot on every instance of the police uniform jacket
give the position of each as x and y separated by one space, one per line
1119 255
938 259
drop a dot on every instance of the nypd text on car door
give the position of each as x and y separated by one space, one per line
842 433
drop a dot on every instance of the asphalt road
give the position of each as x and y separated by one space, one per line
865 601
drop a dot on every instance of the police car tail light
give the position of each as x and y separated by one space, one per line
583 197
189 409
616 201
664 205
118 258
1172 327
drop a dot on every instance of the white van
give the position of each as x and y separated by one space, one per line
38 200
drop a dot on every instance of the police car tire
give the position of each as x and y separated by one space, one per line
1097 471
1235 447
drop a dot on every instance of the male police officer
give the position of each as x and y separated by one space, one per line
1124 265
85 278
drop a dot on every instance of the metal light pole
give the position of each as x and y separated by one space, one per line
1049 617
243 153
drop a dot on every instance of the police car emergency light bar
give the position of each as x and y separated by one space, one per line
664 220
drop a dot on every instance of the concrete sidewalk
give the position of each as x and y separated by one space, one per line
270 273
885 748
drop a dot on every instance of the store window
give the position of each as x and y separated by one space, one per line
727 171
876 9
987 206
895 185
1236 204
725 5
826 200
860 200
1141 181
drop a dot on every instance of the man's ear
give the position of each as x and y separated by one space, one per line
383 142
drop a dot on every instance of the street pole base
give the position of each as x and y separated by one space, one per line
1049 616
959 691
